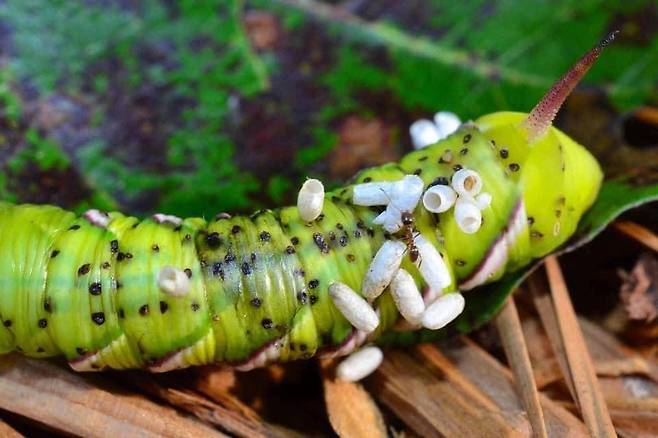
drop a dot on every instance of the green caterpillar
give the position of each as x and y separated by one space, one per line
87 287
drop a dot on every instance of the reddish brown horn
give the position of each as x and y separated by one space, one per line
542 115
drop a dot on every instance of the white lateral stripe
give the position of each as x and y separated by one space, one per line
496 258
167 219
353 307
354 341
97 217
263 357
86 364
175 362
518 224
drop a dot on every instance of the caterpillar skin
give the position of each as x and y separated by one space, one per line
86 287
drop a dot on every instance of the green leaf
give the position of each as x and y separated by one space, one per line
616 197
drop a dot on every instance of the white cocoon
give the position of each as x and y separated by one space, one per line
382 268
467 215
406 193
446 123
483 200
443 311
353 307
359 364
431 265
373 193
467 183
423 133
173 281
310 200
407 297
439 198
390 219
399 196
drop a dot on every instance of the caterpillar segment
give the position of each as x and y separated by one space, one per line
256 289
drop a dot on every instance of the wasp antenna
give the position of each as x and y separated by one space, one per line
542 115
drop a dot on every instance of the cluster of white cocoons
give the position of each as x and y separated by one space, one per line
310 200
385 268
464 193
426 132
398 196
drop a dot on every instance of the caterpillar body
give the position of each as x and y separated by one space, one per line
257 288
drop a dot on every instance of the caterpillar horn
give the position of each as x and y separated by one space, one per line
542 115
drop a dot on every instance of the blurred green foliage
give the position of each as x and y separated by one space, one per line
167 105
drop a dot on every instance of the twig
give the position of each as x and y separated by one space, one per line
509 327
434 399
588 394
206 410
460 391
639 233
68 402
496 381
352 412
544 305
216 383
7 431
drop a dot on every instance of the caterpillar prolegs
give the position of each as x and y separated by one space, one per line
102 290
